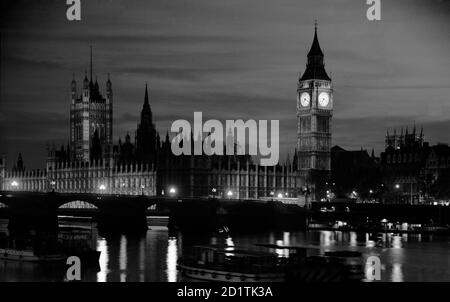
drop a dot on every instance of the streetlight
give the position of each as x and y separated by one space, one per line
14 184
142 189
102 188
280 195
172 191
328 195
52 184
370 191
229 193
214 190
306 191
397 186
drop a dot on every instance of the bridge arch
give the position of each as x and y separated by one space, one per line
78 204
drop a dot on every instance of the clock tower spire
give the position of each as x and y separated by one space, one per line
314 116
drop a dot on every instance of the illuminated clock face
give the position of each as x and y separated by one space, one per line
324 99
305 99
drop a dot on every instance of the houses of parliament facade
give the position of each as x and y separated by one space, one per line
144 164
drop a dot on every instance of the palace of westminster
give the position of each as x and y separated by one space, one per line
91 163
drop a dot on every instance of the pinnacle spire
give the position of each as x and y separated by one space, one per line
315 68
91 64
146 94
146 107
315 47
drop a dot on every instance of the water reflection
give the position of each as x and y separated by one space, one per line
397 274
123 258
153 256
230 246
102 246
326 238
396 242
172 258
353 241
142 260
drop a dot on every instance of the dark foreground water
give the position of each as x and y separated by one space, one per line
153 256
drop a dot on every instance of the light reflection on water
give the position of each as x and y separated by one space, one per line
172 258
102 246
154 256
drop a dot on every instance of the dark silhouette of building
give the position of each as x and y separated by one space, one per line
146 134
19 166
435 175
354 174
402 163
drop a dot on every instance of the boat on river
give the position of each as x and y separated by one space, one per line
230 264
238 264
29 255
50 246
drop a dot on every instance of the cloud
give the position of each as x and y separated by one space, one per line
228 59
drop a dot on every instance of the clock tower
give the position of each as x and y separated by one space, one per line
314 115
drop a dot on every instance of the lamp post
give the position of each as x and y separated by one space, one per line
52 185
172 191
397 188
230 194
142 189
306 192
14 185
102 188
214 190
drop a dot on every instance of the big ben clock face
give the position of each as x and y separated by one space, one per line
324 99
305 99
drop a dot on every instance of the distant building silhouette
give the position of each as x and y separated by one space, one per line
353 171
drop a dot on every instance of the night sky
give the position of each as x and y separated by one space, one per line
229 59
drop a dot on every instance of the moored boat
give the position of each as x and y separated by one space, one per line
230 264
29 256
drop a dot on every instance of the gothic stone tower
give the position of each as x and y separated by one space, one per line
314 115
91 120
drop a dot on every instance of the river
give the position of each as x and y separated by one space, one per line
153 256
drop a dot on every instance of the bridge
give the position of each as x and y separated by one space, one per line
80 201
129 211
37 210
